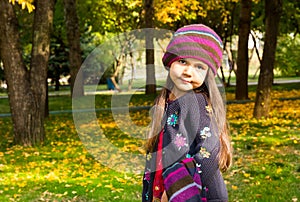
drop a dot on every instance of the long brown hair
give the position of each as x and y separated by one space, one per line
213 94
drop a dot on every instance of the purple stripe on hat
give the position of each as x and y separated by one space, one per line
195 57
186 192
173 60
166 55
201 28
186 52
201 41
217 39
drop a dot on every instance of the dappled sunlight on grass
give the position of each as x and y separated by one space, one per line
266 156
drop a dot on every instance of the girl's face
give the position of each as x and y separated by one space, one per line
187 74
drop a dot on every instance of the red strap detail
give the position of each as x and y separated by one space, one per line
158 185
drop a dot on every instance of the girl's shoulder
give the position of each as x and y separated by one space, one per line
191 101
193 98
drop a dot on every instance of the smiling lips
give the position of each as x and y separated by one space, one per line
186 81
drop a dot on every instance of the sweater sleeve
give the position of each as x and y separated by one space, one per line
205 147
182 181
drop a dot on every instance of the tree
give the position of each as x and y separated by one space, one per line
265 80
58 61
241 92
150 69
26 86
73 36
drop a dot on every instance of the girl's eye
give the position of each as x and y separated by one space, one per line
182 61
201 67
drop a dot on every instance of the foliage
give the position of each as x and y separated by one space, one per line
25 4
110 16
266 153
290 19
174 14
287 55
174 11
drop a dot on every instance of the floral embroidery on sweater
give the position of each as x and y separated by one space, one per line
180 141
173 119
147 175
205 133
148 157
204 153
208 109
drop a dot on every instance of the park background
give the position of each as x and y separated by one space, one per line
43 158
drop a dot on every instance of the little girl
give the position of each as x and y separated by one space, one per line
188 141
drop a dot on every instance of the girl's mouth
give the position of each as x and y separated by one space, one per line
186 81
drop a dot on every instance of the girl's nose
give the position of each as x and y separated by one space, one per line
188 70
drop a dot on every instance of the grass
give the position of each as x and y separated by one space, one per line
266 153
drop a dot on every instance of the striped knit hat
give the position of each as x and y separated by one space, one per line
195 41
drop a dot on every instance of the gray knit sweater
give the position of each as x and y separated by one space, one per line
189 131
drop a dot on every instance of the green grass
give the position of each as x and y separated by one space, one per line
60 170
266 154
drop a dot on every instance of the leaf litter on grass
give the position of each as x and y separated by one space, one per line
266 157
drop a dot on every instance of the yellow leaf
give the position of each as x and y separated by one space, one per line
23 5
22 184
30 7
83 184
234 187
109 186
246 174
51 176
278 170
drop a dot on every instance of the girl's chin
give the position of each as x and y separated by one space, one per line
182 90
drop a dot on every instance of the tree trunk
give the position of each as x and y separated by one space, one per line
265 81
16 74
150 67
57 76
241 92
73 35
132 72
26 88
43 20
47 100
